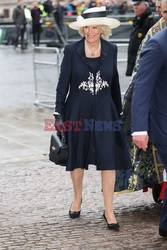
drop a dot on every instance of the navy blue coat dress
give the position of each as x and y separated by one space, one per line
89 100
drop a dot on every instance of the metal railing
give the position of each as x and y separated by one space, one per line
47 62
121 34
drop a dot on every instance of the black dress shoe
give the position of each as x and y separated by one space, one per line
73 214
162 232
112 226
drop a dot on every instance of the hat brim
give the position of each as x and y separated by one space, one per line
110 22
137 2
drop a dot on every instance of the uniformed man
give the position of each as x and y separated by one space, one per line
143 21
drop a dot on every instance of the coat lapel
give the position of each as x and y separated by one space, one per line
105 47
81 52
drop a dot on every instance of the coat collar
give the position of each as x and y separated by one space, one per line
80 50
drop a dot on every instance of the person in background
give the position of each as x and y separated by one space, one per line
92 4
27 12
43 12
159 25
108 5
143 21
123 7
48 8
82 6
74 4
89 84
115 7
36 24
158 8
127 103
58 13
20 22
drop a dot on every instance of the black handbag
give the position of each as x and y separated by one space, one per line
58 150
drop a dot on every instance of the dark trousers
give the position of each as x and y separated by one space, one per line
60 32
162 150
36 31
20 31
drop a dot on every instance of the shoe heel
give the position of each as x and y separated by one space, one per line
112 226
74 214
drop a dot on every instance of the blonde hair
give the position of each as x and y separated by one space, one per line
106 31
35 4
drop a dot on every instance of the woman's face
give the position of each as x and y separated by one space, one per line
92 33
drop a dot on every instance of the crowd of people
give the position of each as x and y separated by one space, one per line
39 10
77 7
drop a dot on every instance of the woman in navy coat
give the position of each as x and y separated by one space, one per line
88 101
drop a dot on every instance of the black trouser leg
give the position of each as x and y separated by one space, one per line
36 33
34 37
38 36
162 150
18 32
22 37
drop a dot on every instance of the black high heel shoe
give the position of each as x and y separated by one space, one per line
112 226
73 214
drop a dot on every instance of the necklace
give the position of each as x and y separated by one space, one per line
93 53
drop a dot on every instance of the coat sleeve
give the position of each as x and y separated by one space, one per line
115 86
149 23
148 70
64 81
32 13
14 15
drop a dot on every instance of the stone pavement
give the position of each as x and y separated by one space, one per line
35 194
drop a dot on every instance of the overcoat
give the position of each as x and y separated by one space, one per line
140 27
91 103
19 16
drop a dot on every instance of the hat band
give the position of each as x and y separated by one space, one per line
94 14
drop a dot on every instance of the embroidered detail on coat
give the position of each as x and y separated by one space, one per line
89 85
100 84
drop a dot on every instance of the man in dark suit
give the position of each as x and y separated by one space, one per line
149 104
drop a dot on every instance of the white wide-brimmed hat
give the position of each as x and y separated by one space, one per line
94 16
